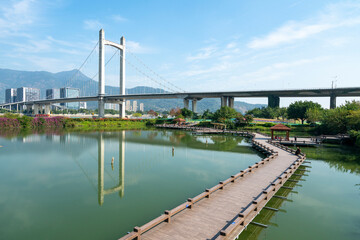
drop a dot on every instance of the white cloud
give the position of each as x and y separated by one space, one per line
92 24
118 18
203 53
231 45
335 16
288 33
16 16
278 70
136 47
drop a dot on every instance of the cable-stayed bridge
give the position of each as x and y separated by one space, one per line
148 76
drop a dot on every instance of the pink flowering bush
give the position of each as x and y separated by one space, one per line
50 122
9 123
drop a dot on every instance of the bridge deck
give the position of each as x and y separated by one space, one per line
210 215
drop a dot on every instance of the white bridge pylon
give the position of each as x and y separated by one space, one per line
121 47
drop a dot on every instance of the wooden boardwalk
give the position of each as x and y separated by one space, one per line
223 211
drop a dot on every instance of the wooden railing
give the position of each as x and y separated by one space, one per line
246 216
168 214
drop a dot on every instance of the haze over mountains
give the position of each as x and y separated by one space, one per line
74 78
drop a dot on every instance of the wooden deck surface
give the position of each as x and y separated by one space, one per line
209 216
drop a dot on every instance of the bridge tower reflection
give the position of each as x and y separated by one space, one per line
101 153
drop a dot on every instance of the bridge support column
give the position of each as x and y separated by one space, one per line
194 105
273 101
101 92
332 101
36 109
224 101
47 109
122 77
101 107
231 102
186 103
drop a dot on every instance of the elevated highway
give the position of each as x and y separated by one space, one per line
227 98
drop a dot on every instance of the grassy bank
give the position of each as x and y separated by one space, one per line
106 124
14 121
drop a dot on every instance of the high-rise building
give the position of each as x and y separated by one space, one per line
10 95
53 93
68 92
112 106
134 108
141 107
127 105
25 94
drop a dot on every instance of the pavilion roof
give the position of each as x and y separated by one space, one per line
280 127
180 120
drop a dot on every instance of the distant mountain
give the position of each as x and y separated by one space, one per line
74 78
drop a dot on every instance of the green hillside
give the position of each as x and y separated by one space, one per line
74 78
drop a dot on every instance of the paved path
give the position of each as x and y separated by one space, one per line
210 215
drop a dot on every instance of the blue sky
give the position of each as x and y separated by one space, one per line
196 45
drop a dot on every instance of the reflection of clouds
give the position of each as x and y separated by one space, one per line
205 140
17 218
204 175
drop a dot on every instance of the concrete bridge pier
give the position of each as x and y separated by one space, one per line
101 107
332 101
36 109
186 103
231 102
194 105
224 101
47 108
273 101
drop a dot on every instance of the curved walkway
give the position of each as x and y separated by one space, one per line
240 200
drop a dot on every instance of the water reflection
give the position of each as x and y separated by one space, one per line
79 144
101 152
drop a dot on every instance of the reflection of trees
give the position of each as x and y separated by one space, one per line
178 137
136 133
17 132
342 158
253 232
225 143
152 135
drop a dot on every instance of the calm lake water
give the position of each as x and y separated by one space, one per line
326 205
63 186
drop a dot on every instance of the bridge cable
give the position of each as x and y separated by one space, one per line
138 59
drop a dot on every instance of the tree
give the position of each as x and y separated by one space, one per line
313 115
256 112
175 111
267 112
207 114
297 110
353 105
187 113
281 112
334 121
152 113
137 114
224 113
241 120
